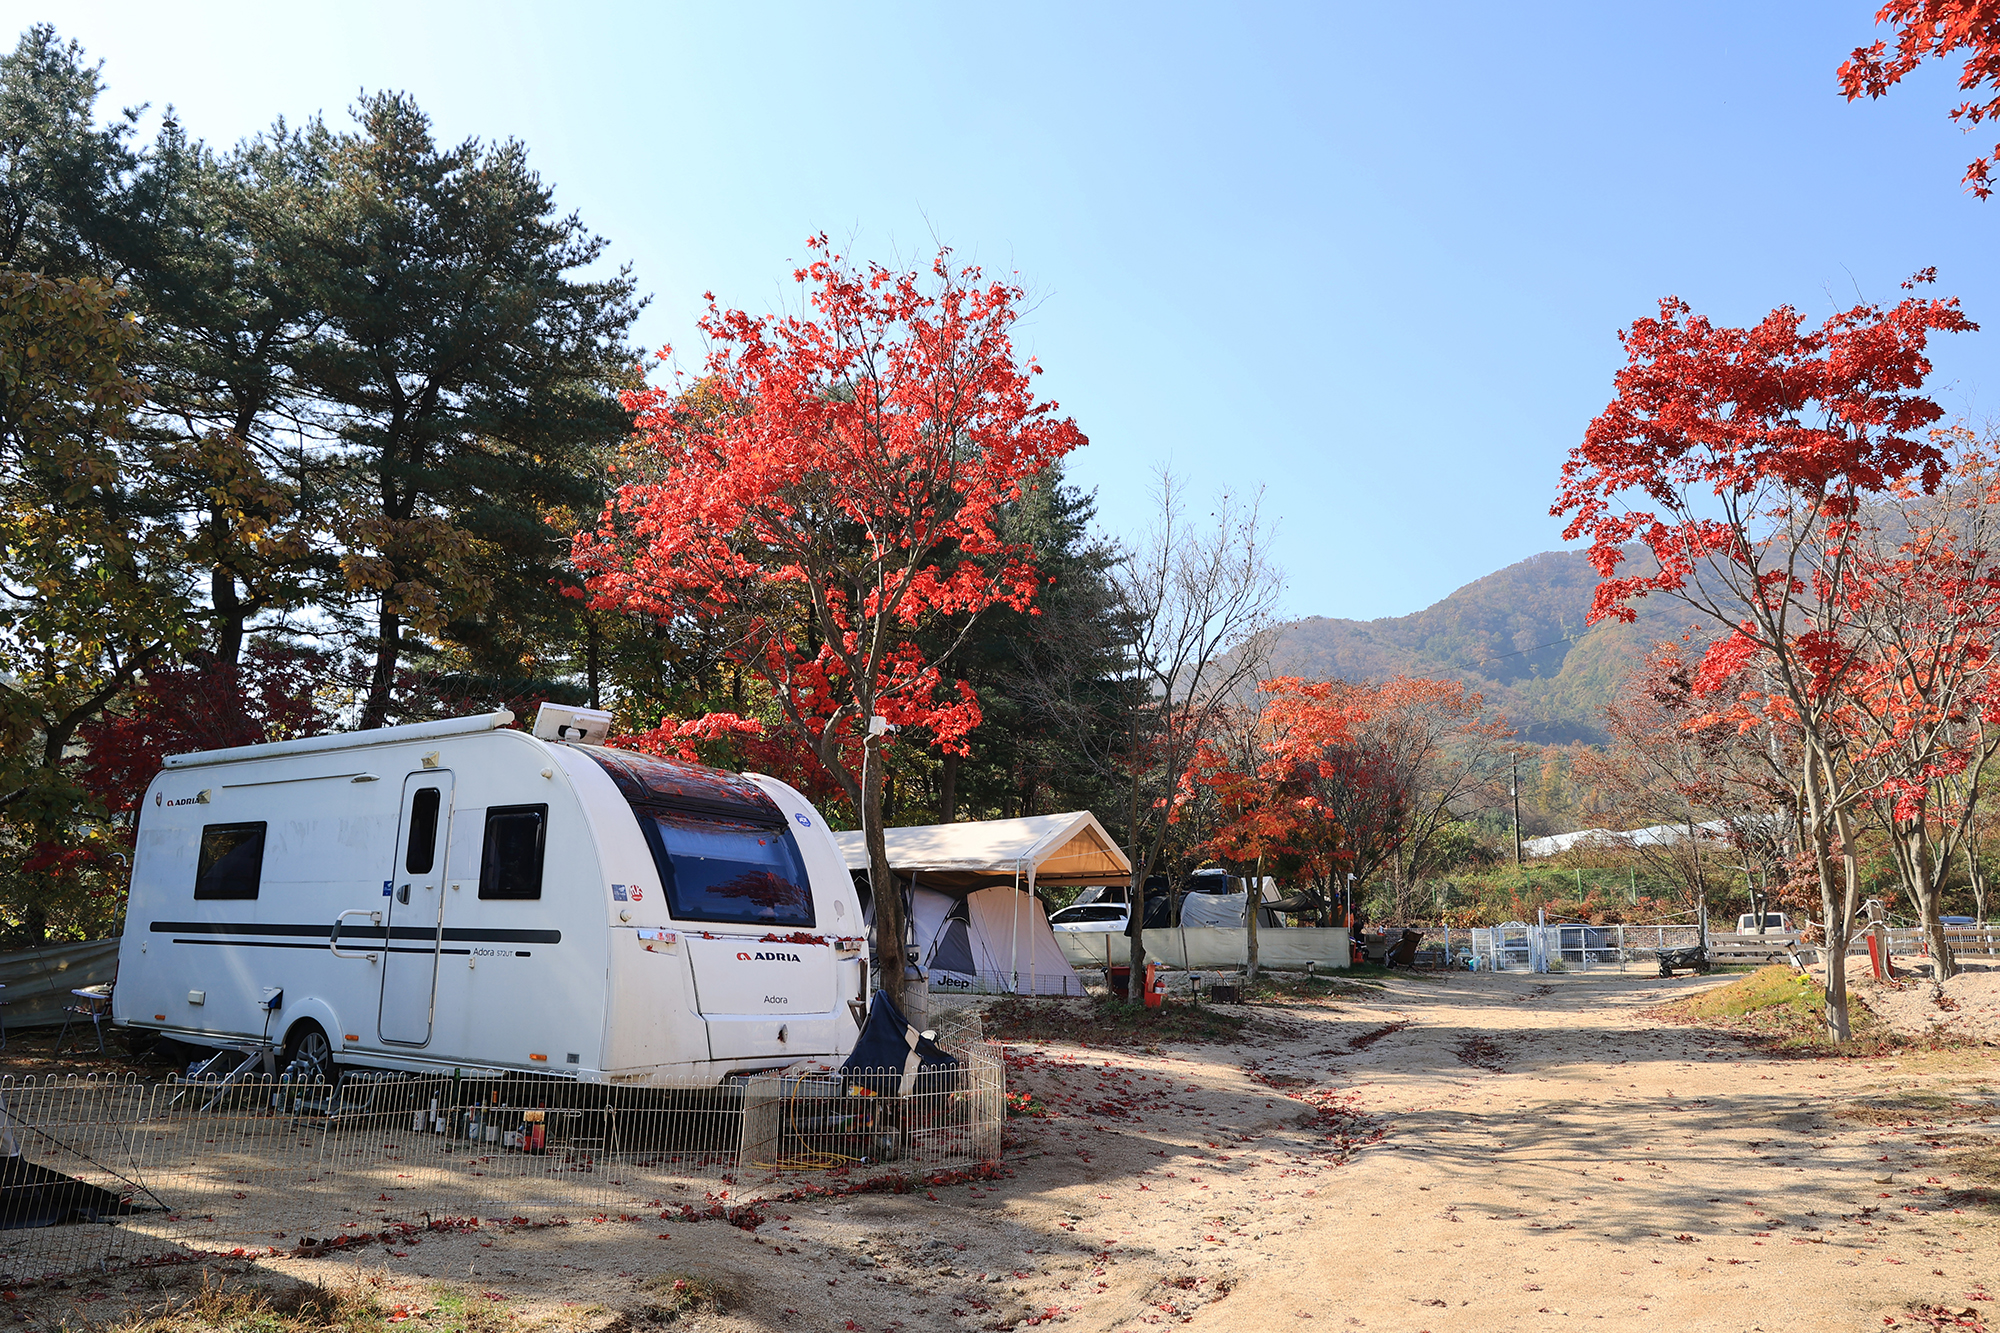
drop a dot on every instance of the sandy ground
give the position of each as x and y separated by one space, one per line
1967 1005
1449 1153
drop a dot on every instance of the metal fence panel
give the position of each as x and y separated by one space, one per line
100 1171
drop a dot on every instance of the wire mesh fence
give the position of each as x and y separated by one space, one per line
101 1171
1518 946
833 1121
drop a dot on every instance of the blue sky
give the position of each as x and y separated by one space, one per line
1374 264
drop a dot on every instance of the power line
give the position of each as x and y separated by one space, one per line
1501 657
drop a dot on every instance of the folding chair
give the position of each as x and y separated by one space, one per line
95 1000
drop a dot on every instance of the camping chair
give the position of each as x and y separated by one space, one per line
1404 952
96 1001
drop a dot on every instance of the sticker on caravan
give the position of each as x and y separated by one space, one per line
636 894
618 893
804 821
385 888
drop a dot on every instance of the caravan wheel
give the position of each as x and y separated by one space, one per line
308 1055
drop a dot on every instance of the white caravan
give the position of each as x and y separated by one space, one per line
457 895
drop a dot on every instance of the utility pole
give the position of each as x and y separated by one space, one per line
1514 790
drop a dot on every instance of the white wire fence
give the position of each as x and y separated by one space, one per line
1518 946
105 1171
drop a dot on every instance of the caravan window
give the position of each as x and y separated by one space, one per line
728 870
232 861
423 831
510 865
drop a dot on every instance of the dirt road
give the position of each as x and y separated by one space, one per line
1455 1153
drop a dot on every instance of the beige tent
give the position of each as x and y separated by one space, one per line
974 917
1042 850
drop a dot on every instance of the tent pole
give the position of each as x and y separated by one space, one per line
1033 987
1014 937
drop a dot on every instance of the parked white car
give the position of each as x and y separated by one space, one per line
1090 919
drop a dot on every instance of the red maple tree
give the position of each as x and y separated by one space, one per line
1937 28
828 490
1740 458
203 704
1293 786
1926 702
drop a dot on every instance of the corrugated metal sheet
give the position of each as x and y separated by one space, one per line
39 981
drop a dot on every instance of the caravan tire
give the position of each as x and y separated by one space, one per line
308 1055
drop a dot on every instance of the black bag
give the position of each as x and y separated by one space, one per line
892 1059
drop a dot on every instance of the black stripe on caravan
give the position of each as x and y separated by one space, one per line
463 934
276 944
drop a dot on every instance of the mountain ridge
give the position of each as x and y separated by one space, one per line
1519 636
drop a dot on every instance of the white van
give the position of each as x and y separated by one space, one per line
457 895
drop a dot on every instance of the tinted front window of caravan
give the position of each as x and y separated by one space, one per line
511 864
232 861
728 870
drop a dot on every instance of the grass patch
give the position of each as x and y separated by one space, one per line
1981 1166
1317 986
1911 1108
1785 1013
672 1295
304 1308
452 1311
1973 1170
1100 1021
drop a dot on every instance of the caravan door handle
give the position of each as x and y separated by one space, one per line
333 941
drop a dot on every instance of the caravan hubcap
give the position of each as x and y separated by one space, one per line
313 1061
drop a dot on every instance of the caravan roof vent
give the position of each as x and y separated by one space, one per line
560 722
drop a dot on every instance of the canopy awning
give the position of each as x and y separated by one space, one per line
1070 849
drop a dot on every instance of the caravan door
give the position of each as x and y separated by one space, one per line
416 910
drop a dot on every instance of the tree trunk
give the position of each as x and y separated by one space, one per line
948 789
1255 899
1850 904
1978 879
229 617
890 929
1135 920
382 683
1135 894
1946 965
1911 841
590 665
1836 920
